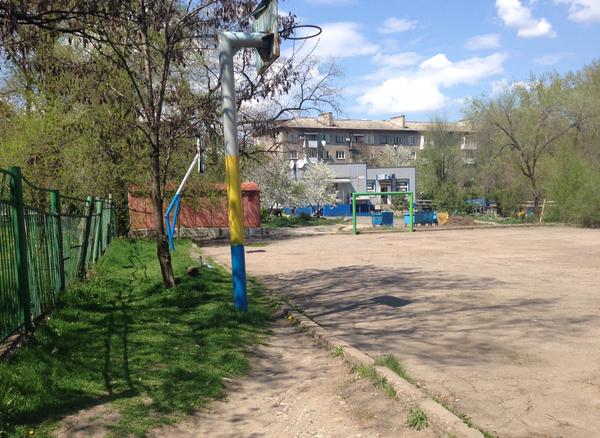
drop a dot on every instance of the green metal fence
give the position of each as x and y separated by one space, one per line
47 241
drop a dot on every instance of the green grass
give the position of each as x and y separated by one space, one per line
338 351
155 354
417 419
299 221
393 364
369 372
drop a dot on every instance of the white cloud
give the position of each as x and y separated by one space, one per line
583 11
343 40
437 62
550 59
514 14
390 64
397 25
486 41
421 88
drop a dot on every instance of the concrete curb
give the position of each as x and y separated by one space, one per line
440 416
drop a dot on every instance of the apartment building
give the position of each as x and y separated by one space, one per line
346 141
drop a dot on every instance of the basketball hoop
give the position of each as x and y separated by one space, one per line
286 33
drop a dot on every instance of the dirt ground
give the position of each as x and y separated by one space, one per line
296 389
503 322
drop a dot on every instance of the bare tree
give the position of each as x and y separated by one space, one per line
525 121
167 50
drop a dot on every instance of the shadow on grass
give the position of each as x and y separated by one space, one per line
122 337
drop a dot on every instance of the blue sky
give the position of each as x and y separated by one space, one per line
425 58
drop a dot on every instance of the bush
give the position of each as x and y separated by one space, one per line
304 217
573 186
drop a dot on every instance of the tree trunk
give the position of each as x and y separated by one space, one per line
162 244
536 198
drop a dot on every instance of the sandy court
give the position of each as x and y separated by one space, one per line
504 323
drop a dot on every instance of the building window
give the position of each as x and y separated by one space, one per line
311 137
383 139
340 139
340 155
293 155
357 138
325 137
370 185
397 139
292 137
312 153
412 139
370 139
326 155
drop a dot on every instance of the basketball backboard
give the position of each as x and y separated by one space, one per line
266 20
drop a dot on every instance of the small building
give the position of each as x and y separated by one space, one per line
198 215
359 178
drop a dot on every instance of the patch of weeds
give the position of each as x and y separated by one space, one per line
369 372
417 419
464 417
338 351
393 364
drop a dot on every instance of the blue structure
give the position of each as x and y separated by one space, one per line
338 210
422 218
385 218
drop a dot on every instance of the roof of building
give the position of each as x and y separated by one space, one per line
372 125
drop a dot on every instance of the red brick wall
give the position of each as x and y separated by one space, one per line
213 215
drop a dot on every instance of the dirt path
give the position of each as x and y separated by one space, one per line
296 389
502 322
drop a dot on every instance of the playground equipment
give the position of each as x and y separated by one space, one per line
422 218
265 39
443 217
384 219
368 195
172 212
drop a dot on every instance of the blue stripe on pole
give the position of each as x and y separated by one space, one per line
238 269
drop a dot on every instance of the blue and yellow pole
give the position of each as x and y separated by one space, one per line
229 43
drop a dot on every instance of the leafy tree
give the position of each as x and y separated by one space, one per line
440 166
573 187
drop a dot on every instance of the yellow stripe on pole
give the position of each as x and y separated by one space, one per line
234 200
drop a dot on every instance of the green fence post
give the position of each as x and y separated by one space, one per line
58 236
98 236
353 213
86 237
18 220
411 211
